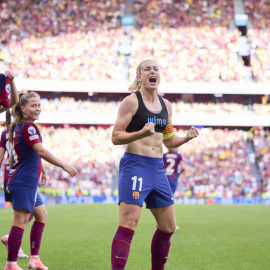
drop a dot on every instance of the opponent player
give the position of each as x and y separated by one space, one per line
25 160
8 91
4 147
174 167
143 123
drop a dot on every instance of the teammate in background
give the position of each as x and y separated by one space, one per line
25 169
4 146
8 91
174 167
143 123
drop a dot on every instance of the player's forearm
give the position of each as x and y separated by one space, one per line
46 155
175 141
14 94
42 169
122 137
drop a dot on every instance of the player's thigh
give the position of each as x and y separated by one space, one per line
129 215
40 213
165 218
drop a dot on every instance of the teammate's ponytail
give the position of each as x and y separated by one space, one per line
8 119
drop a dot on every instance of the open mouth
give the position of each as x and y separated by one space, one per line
152 79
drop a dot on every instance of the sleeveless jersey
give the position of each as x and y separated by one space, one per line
172 162
5 144
143 116
26 167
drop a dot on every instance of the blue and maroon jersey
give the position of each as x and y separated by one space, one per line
4 143
26 162
172 162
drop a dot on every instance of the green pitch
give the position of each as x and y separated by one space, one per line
211 237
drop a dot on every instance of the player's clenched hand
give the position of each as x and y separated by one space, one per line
149 129
192 133
70 170
9 74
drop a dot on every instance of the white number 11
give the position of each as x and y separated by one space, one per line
134 179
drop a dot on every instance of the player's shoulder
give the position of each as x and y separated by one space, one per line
130 98
130 101
167 103
4 132
29 128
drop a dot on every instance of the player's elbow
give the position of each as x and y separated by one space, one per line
115 141
115 138
41 152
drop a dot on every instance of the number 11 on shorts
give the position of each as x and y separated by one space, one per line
134 179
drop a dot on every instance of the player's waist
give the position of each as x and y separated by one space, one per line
143 158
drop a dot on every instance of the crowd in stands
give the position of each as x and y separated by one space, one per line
259 42
258 12
75 56
189 53
21 19
262 147
81 40
217 163
69 105
65 40
177 13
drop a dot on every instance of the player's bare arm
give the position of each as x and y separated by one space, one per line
176 141
126 111
45 154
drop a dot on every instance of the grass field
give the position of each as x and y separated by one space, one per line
211 237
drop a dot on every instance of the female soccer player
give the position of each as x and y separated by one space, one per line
26 154
174 167
4 147
143 124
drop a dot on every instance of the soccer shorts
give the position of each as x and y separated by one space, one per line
173 184
143 179
24 198
8 197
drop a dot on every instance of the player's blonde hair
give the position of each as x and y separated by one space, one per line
136 85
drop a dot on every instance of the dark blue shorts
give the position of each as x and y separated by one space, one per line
8 197
142 179
173 185
24 198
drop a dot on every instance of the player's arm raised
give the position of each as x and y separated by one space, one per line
126 111
173 140
13 91
45 154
